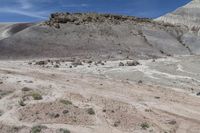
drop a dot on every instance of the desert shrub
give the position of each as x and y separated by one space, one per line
144 125
37 129
66 102
91 111
64 130
36 96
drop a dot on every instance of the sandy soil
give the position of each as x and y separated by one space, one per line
153 97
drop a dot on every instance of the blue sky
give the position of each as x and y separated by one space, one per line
37 10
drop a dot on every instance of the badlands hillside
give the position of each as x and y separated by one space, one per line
101 73
187 15
97 36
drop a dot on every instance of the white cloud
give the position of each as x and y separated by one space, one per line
25 4
25 13
25 8
76 5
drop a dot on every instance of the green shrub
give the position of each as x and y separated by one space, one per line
36 96
144 125
66 102
37 129
64 130
91 111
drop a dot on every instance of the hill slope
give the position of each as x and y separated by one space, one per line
100 36
9 29
188 15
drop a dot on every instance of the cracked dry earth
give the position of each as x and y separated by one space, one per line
101 98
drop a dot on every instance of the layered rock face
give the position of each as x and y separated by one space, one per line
188 15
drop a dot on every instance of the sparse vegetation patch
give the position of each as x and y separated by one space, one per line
66 102
91 111
36 96
38 128
145 125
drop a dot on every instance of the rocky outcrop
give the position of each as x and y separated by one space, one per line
84 18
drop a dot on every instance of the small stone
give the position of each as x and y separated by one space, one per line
26 89
89 62
121 64
41 63
156 97
116 124
54 115
132 63
65 111
173 122
104 110
77 63
28 81
56 66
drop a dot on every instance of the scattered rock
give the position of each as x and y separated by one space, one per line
173 122
148 110
162 52
54 115
198 94
1 112
156 97
77 63
26 89
56 66
121 64
21 102
89 62
140 82
116 124
65 111
132 63
41 63
28 81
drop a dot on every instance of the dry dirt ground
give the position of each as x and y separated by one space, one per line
157 96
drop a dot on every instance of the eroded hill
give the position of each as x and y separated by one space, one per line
99 36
